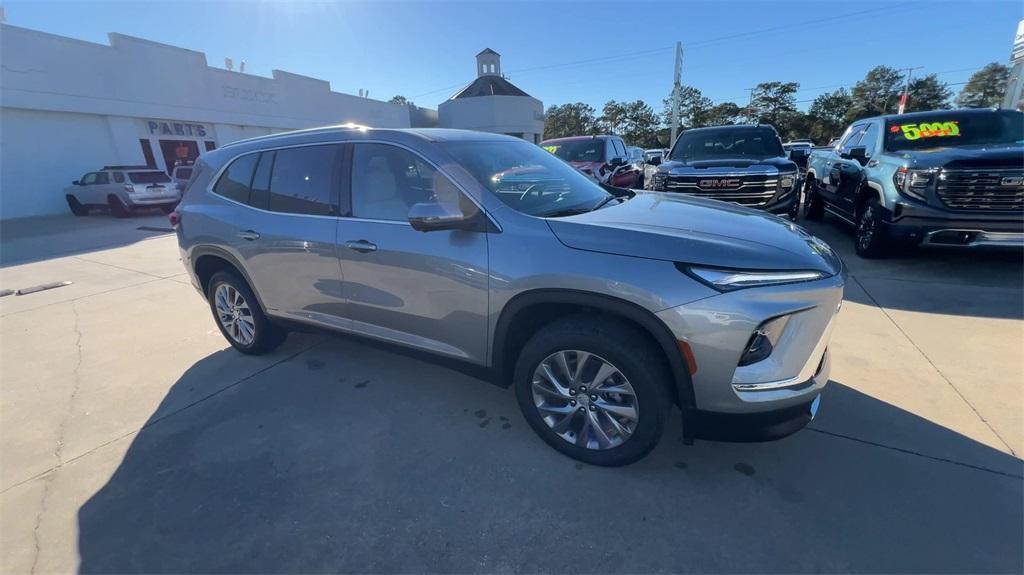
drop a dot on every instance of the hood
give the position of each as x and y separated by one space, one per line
764 164
586 166
691 230
965 156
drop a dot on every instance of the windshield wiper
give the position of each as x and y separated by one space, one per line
564 212
605 201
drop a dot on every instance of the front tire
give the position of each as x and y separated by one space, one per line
870 238
76 207
814 206
239 316
595 390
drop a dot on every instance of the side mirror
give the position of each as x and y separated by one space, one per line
76 183
859 153
432 216
655 161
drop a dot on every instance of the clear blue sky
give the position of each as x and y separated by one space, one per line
559 52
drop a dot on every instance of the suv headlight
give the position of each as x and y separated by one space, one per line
913 183
728 280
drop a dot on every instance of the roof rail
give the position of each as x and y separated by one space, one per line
348 125
129 168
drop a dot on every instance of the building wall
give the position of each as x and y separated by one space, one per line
70 106
498 114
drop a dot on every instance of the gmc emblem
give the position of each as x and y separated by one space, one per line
1012 181
719 183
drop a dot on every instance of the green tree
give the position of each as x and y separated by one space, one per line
876 94
774 103
692 107
640 124
575 119
986 87
720 115
928 93
401 101
613 115
826 115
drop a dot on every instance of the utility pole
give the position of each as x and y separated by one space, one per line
676 88
906 89
750 105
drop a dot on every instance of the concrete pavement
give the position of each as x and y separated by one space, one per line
134 439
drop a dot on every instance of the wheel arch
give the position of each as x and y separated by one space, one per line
527 312
208 260
868 190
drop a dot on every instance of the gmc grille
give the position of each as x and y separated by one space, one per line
741 189
989 189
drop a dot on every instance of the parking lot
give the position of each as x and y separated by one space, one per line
135 439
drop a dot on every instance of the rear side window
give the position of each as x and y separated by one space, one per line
305 180
118 177
234 182
259 192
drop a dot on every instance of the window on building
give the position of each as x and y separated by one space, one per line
234 182
304 180
388 180
210 146
147 152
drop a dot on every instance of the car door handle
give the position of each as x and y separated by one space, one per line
361 246
248 235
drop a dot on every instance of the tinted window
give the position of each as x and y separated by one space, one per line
259 192
590 150
234 182
181 173
119 177
851 138
303 180
89 179
148 177
102 178
954 129
746 142
388 180
870 138
620 150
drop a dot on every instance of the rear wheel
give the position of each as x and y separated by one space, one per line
239 316
594 390
870 238
814 206
76 207
117 207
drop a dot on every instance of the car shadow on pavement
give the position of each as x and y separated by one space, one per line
26 240
347 457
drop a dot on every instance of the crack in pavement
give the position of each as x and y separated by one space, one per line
935 367
58 452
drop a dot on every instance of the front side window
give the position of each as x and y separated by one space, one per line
590 150
528 179
870 138
88 179
756 143
954 129
620 150
304 180
388 180
234 182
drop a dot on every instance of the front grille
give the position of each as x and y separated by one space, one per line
988 189
747 190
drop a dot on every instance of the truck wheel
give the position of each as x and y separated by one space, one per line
239 317
76 207
870 238
814 206
594 390
117 207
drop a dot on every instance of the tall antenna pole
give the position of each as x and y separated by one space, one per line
906 89
676 88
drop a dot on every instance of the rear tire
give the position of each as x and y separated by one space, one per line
239 316
870 237
638 371
76 207
814 206
117 207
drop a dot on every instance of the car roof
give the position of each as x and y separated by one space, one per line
430 134
129 169
730 127
928 113
579 138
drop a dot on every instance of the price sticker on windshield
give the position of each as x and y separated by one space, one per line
551 149
927 130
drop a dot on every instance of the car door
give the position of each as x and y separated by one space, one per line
851 171
285 231
423 289
840 169
86 190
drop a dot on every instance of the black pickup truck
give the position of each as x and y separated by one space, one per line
948 177
743 164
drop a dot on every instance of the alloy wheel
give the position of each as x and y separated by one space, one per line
585 399
234 314
866 227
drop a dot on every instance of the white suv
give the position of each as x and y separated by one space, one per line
121 189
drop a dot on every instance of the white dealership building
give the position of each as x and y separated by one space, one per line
68 107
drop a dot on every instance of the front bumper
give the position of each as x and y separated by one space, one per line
718 329
928 225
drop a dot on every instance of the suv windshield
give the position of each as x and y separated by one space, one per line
590 150
754 142
954 129
528 179
148 177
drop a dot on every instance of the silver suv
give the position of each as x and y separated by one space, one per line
601 308
122 189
